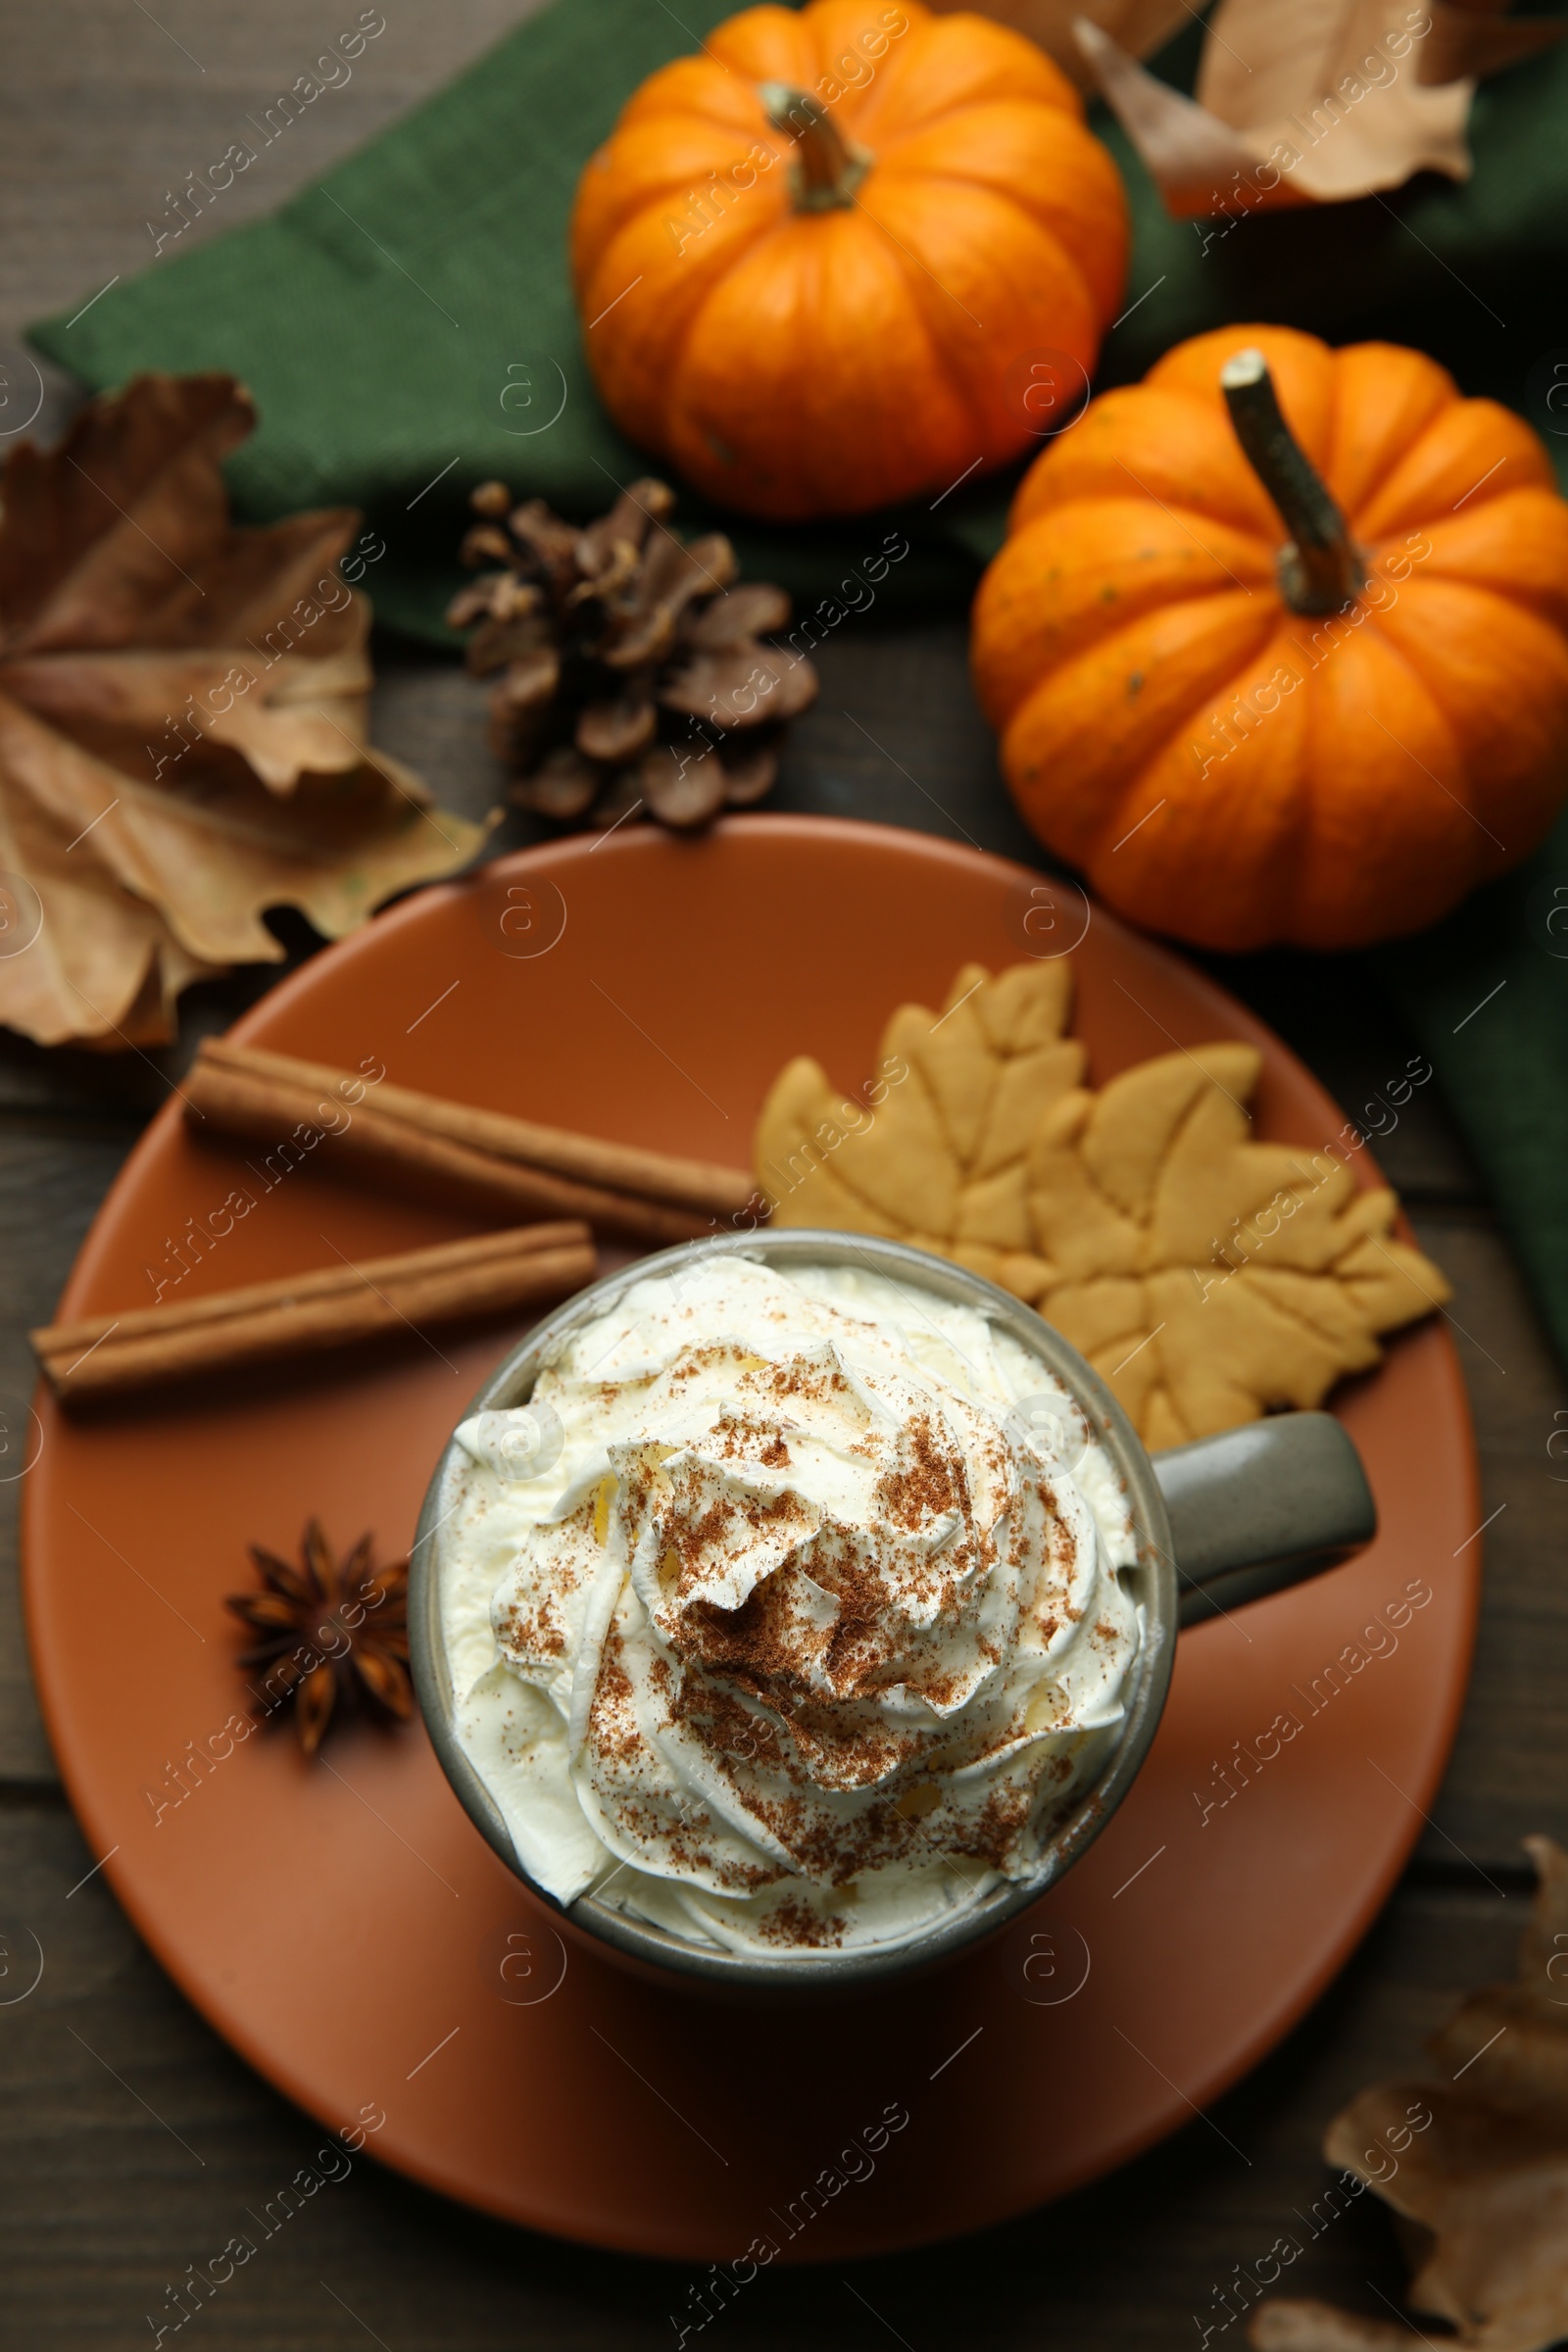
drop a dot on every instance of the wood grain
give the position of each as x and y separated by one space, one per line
53 1174
1510 1770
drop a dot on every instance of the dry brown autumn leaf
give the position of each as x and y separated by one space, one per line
1205 1275
1489 2176
1320 100
934 1153
182 723
1310 2326
1137 26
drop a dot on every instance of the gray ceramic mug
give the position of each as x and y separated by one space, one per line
1218 1523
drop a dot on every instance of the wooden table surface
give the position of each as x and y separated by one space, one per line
101 2208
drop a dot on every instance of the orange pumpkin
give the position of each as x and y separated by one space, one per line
1312 693
834 260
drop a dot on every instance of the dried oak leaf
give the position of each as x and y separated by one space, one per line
1137 26
334 1634
1319 101
182 723
1205 1275
1486 2180
935 1154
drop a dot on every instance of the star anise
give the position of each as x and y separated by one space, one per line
332 1631
635 671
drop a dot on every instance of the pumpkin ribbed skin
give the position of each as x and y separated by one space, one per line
1234 772
803 362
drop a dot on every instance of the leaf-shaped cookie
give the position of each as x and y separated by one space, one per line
933 1150
182 723
1206 1274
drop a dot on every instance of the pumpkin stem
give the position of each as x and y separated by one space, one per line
1320 571
827 168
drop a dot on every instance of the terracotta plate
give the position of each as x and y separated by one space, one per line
346 1928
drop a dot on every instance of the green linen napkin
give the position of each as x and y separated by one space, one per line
1487 992
407 329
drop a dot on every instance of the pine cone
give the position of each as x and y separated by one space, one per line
633 674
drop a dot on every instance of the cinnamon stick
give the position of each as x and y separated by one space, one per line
699 1185
301 1314
296 1115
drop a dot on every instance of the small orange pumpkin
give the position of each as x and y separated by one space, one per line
1287 670
817 265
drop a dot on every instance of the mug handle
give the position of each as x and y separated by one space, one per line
1262 1507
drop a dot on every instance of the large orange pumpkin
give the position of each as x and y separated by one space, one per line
1319 716
848 254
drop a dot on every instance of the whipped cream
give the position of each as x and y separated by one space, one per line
786 1613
